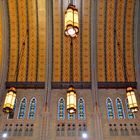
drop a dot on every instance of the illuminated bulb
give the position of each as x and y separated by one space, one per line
72 111
4 135
71 32
84 135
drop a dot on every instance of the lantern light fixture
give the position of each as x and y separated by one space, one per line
132 102
71 21
9 100
71 100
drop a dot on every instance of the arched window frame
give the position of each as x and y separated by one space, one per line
24 107
118 108
63 112
30 108
130 114
108 114
84 112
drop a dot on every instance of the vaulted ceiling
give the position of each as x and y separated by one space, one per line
28 43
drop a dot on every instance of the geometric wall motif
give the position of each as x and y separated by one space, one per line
27 43
27 49
71 64
115 40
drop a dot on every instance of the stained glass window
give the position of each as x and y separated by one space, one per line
61 109
130 113
22 108
110 110
119 108
81 109
32 108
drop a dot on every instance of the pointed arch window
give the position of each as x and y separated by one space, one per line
130 113
61 109
81 109
11 114
22 108
32 108
120 108
110 110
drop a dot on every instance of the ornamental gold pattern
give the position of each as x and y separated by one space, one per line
100 41
21 21
42 41
119 41
129 42
27 23
32 40
13 39
115 41
110 41
66 60
76 59
86 41
57 41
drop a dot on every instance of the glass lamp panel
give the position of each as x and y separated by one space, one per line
72 98
129 99
68 103
9 98
69 17
13 99
75 100
76 19
133 98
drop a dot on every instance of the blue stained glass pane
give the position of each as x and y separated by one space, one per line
81 109
61 109
110 110
119 108
22 109
32 109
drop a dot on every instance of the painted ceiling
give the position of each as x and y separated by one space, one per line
28 42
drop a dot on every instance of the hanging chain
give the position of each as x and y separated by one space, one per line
21 53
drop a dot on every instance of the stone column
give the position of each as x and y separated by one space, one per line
97 120
49 38
137 42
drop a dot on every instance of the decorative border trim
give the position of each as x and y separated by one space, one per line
133 40
115 39
18 40
26 85
37 41
62 40
28 38
105 23
116 84
81 39
65 85
9 40
124 39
